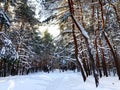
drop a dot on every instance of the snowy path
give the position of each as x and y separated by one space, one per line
57 81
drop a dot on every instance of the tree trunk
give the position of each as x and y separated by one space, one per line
103 60
70 2
108 42
117 63
97 58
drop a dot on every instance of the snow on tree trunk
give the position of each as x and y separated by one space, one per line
75 42
87 40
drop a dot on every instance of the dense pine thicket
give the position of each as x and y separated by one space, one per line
89 40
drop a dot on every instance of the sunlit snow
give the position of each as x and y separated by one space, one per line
57 81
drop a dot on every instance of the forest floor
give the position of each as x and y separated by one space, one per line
57 81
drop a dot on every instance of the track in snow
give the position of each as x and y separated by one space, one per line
57 81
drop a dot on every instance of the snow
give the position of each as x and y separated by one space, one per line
57 81
3 15
43 10
83 31
7 48
81 64
2 52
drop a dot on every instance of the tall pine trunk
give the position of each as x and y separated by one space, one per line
117 63
70 2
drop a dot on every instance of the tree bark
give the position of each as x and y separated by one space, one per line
103 60
108 42
89 51
70 3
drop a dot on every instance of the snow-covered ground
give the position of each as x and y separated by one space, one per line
57 81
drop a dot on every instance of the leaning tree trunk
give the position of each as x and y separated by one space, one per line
108 42
88 45
117 63
86 37
75 41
